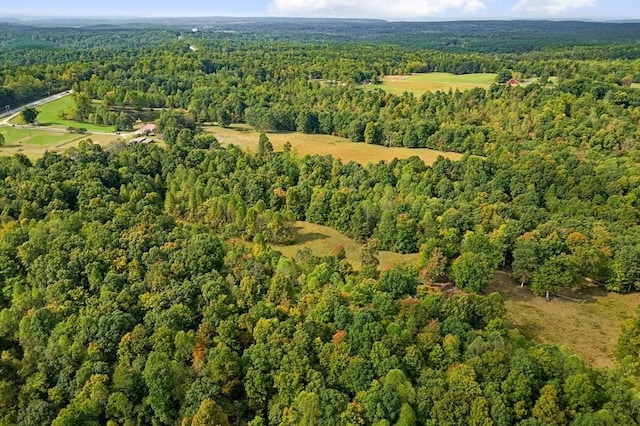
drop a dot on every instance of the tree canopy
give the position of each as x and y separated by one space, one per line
139 284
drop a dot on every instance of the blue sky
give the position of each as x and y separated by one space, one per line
385 9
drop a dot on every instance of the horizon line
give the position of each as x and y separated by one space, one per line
28 17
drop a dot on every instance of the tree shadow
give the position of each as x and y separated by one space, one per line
307 237
239 129
510 289
589 293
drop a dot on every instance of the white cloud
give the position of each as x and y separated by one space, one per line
385 9
550 7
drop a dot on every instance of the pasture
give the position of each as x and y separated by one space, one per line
247 138
590 329
34 142
30 136
433 82
50 116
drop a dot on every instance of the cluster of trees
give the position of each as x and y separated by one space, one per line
29 115
85 112
115 311
541 212
317 88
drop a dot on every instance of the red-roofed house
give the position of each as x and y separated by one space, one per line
513 82
146 129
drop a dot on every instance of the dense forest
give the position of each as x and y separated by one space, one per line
139 285
115 309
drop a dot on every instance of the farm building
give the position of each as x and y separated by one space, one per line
140 140
146 129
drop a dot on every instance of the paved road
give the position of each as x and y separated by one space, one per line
5 116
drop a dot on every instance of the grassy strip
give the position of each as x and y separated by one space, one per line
247 138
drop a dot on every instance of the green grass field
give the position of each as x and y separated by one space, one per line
49 115
247 138
34 142
322 239
590 329
18 135
433 82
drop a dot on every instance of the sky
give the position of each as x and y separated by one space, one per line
384 9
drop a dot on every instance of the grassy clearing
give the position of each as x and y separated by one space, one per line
590 329
49 116
247 138
322 240
433 82
21 136
34 143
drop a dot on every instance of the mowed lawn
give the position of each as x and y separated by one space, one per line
19 135
34 142
245 137
323 239
50 115
590 329
433 82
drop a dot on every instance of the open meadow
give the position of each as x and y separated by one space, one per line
589 328
247 138
50 116
34 142
433 82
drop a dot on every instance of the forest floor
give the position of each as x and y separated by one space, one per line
589 328
433 82
246 137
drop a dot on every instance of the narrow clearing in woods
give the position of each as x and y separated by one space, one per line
245 137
